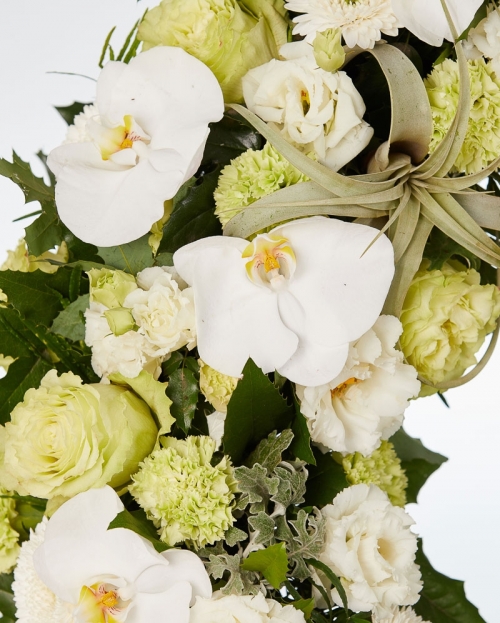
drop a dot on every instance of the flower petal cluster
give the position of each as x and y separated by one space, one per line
109 575
146 140
317 111
230 37
251 176
400 615
446 317
243 609
426 18
484 39
292 299
370 546
361 22
216 387
187 498
482 139
381 468
9 537
66 437
20 260
78 132
365 403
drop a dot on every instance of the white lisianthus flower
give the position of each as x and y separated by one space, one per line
243 609
146 142
365 403
114 574
361 22
370 546
292 299
400 615
317 111
426 19
484 39
163 312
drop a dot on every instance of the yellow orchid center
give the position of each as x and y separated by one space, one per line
340 390
272 260
100 603
113 140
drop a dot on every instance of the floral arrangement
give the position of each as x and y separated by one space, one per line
276 225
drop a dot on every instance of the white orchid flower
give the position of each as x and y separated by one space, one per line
292 299
427 20
115 575
147 140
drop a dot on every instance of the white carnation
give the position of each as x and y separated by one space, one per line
78 132
35 602
403 615
369 545
365 403
243 609
318 111
163 312
484 40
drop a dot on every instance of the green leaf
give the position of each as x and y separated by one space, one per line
334 579
46 232
70 323
255 409
326 479
131 258
301 444
229 138
30 513
439 249
34 188
417 461
7 605
140 524
193 216
443 600
306 605
256 486
272 562
172 363
68 113
268 452
183 391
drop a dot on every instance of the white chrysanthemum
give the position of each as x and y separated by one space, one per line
403 615
360 21
78 132
163 312
35 602
365 403
370 546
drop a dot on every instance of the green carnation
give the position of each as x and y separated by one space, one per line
9 538
381 468
482 139
251 176
446 317
186 497
230 37
215 386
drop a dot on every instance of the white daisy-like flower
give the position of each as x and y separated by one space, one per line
35 602
360 21
78 132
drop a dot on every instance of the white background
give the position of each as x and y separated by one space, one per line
459 508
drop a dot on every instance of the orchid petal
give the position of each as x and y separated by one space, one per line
171 605
187 566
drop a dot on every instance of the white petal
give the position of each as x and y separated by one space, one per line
171 605
187 566
313 364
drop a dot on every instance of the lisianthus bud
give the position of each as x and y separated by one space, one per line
110 287
230 37
446 317
66 437
328 50
120 320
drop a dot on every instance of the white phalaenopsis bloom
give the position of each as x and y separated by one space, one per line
370 546
318 111
400 615
291 299
484 40
114 575
361 22
146 141
426 19
365 403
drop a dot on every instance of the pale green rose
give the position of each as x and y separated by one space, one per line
110 287
20 260
9 537
187 498
120 320
381 468
446 317
66 437
328 50
230 37
216 387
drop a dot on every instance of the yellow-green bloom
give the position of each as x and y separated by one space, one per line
120 320
446 317
482 139
110 287
186 497
66 437
251 176
328 50
381 468
230 37
9 538
216 387
20 260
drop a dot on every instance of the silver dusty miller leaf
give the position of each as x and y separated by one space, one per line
268 452
256 487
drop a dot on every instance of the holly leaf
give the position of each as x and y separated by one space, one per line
255 409
70 323
68 113
140 524
269 451
131 258
33 187
417 461
442 599
7 605
326 479
183 391
272 562
45 232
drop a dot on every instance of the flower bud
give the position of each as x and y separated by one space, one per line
328 50
120 320
110 287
